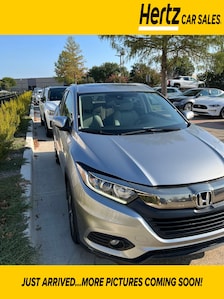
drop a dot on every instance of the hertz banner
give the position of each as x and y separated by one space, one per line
117 17
140 17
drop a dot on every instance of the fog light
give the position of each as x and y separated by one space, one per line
114 242
117 244
109 241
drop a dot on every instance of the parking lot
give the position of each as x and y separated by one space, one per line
50 227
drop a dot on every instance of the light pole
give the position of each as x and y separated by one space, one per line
121 54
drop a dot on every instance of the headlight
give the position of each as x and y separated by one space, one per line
119 193
50 112
159 198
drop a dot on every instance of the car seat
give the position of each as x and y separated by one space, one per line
125 114
90 118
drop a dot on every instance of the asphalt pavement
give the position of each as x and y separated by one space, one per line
49 226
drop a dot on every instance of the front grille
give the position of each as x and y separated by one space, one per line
188 226
170 224
200 106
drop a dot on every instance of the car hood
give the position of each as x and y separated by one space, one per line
173 158
51 105
181 98
177 98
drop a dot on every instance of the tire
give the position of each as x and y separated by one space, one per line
47 130
188 106
72 215
41 121
222 113
56 157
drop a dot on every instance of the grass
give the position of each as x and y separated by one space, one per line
15 247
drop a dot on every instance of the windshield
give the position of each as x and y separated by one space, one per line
56 94
127 112
191 92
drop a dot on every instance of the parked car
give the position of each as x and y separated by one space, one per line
51 97
171 91
37 95
130 193
184 82
190 97
212 106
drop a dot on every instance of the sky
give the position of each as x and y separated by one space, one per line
34 56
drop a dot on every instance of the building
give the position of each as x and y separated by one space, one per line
31 83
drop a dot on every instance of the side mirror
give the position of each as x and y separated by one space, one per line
61 122
188 114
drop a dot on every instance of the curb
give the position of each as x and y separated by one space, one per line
26 171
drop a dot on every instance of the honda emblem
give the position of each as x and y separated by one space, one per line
204 199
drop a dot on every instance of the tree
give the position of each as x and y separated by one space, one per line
217 62
104 72
214 75
117 78
140 72
213 79
180 66
70 65
160 48
7 82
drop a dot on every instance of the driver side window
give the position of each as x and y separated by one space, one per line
67 108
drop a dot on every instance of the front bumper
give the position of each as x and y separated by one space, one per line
210 112
49 120
104 223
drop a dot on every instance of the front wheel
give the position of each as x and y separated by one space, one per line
41 121
188 106
47 130
72 215
222 113
56 157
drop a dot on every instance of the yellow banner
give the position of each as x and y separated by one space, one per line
111 281
117 17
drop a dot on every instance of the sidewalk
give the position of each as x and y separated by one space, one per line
48 219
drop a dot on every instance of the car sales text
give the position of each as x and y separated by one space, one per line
169 15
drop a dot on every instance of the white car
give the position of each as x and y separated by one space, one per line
171 91
51 98
36 95
213 106
185 82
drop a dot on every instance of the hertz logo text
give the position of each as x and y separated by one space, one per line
154 15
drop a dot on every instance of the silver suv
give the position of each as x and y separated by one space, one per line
130 193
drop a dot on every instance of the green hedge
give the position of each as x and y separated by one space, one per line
11 113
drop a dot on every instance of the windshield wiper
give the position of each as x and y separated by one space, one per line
132 132
96 131
150 130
